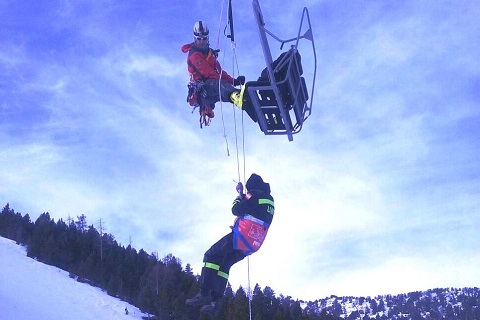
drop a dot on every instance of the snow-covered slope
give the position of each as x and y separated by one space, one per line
30 290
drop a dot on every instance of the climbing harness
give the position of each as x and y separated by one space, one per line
249 234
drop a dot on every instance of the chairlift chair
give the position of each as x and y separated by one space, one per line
280 96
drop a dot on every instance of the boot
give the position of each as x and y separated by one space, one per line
208 111
204 296
237 97
199 300
210 308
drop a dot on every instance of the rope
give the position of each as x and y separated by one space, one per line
220 24
249 289
221 112
236 137
221 73
235 63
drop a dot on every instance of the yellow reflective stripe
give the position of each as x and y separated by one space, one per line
216 267
266 201
211 266
222 274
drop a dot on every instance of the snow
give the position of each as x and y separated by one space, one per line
32 290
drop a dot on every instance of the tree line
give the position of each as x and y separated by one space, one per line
156 286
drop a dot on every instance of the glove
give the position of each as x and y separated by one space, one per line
240 80
239 188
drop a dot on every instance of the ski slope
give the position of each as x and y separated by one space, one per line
30 290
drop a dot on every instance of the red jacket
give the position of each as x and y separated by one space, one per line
203 66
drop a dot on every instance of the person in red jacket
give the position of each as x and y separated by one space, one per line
208 81
254 211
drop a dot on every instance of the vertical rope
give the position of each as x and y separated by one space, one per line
243 148
220 20
236 142
249 290
235 63
220 23
221 112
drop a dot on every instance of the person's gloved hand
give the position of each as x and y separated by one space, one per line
239 80
239 188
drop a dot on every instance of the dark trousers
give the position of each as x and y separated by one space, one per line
212 89
217 262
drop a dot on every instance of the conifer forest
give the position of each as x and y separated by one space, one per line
160 286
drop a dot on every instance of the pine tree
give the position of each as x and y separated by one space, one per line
81 223
240 305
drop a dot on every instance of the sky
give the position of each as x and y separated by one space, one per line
378 194
53 295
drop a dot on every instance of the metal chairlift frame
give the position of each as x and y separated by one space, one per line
268 109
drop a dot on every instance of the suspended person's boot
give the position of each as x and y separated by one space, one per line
199 300
208 278
210 309
204 297
218 290
237 97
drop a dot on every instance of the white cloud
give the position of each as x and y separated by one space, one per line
155 66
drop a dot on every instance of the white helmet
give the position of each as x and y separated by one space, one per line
200 30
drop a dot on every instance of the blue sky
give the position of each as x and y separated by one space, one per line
378 194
